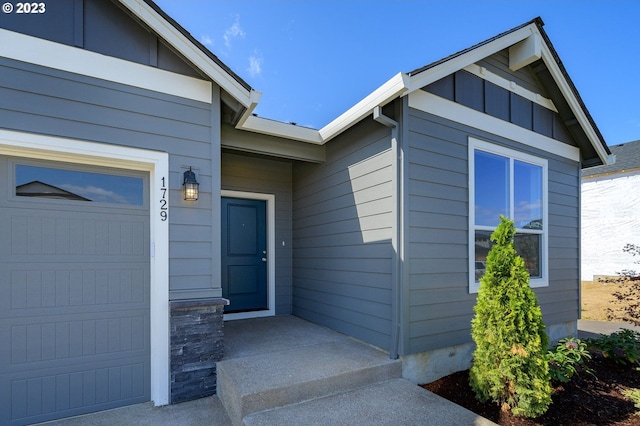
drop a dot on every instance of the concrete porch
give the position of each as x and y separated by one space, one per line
285 370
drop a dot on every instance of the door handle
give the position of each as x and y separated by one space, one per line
264 259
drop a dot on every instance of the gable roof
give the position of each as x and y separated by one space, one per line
527 44
37 188
627 159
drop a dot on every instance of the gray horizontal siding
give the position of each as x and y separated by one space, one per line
342 223
267 176
40 100
440 307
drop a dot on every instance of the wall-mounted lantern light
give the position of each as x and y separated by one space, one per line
190 185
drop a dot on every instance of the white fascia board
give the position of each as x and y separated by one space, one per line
577 110
442 70
393 88
458 113
58 56
280 129
191 52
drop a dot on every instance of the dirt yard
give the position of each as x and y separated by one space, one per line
596 298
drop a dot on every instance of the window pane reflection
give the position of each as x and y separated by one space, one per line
491 188
483 245
527 246
44 182
527 195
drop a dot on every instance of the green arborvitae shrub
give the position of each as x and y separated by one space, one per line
509 364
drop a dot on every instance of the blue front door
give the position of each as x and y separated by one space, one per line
244 254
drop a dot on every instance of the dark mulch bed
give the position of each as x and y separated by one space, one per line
585 400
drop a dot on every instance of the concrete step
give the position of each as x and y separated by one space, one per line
394 402
264 381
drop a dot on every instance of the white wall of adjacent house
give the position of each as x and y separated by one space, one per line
610 220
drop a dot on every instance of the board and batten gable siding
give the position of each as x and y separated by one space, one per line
264 175
342 227
41 100
100 26
439 305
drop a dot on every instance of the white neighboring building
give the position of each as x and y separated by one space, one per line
611 213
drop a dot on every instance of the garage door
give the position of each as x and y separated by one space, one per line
74 290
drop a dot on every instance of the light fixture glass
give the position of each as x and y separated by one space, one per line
190 185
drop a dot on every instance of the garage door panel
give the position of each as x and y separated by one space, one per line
67 393
41 235
36 285
74 304
62 338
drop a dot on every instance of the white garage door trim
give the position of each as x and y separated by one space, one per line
30 145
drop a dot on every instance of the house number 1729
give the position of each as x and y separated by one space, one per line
163 201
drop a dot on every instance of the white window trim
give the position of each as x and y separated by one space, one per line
29 145
271 252
475 144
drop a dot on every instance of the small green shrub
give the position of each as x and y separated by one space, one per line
622 347
567 359
509 363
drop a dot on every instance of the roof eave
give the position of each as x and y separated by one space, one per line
191 49
440 69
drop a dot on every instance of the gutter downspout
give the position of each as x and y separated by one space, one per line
396 280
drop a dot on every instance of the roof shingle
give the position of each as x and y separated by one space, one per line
627 158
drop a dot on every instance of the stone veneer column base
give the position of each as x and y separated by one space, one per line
196 346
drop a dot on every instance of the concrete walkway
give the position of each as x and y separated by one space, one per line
399 400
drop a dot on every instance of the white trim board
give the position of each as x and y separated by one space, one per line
58 56
271 252
21 144
458 113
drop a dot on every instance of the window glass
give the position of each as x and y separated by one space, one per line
528 248
483 245
44 182
527 195
491 188
510 183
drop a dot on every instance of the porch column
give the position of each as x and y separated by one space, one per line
196 346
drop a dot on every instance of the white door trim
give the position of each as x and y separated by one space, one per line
22 144
271 252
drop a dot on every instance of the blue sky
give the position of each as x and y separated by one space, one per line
315 59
